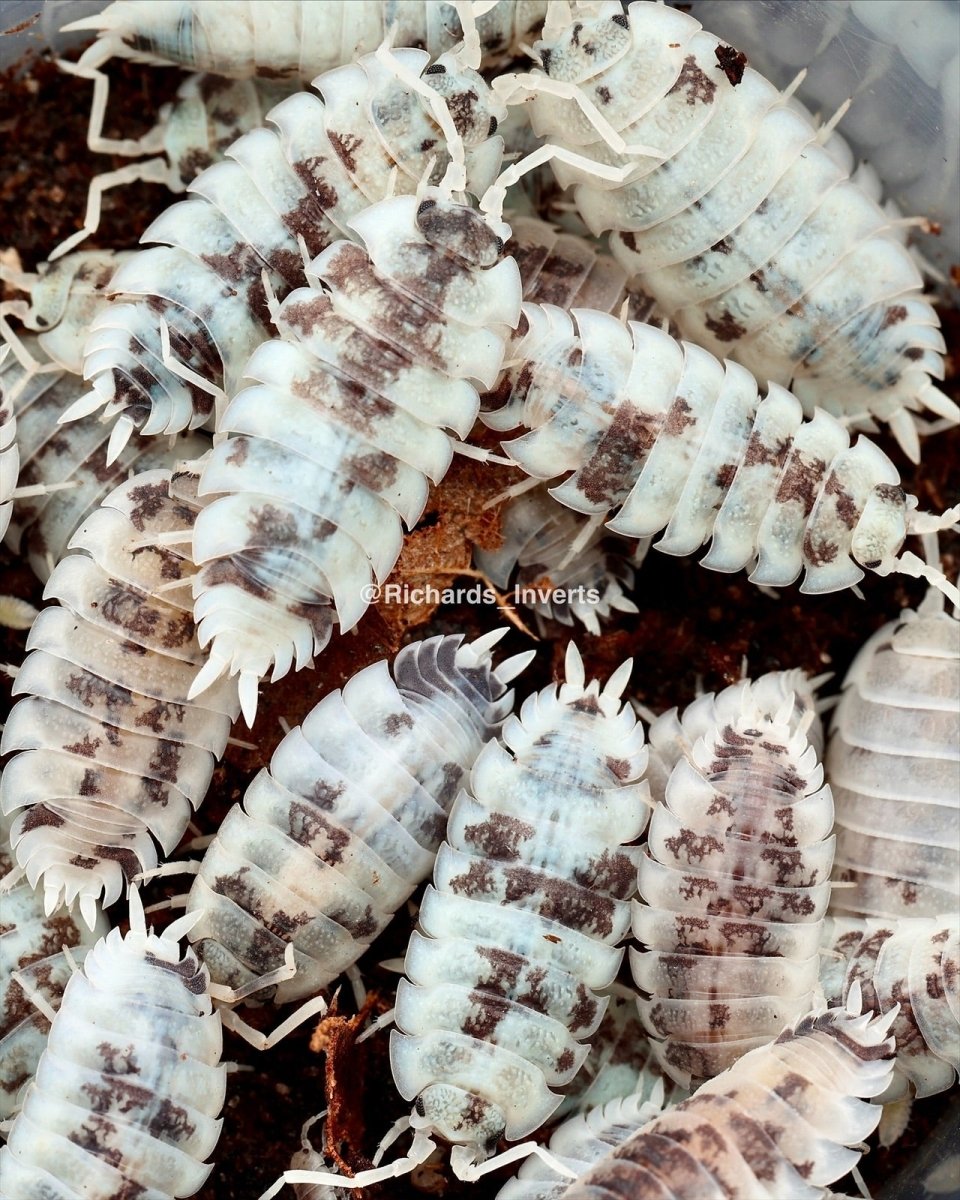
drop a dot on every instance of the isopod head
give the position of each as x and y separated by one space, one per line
882 527
588 46
461 232
459 1117
474 106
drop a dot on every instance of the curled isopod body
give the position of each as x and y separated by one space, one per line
188 312
786 1120
33 973
127 1093
556 573
335 445
113 757
64 473
735 878
333 838
893 762
913 963
745 228
623 417
578 1143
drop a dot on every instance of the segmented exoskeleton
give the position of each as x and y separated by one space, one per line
736 876
127 1094
333 838
64 473
745 229
893 761
521 926
336 445
631 419
113 755
33 972
555 583
580 1142
783 1121
9 451
912 963
189 312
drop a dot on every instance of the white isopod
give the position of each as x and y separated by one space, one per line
587 585
188 313
127 1094
892 762
192 132
334 837
63 469
677 440
9 450
33 973
530 900
580 1142
744 227
336 444
113 755
912 963
786 1120
735 879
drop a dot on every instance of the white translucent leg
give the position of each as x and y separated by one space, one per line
184 372
481 455
262 1041
382 1022
420 1150
466 1168
357 986
154 170
16 613
494 196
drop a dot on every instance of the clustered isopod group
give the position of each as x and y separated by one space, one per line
647 943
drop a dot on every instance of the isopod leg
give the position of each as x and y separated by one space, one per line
154 170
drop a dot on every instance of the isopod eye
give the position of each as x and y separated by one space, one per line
436 69
419 1107
425 206
493 127
41 322
545 56
622 20
873 564
500 245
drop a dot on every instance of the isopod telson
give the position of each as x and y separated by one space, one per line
127 1093
112 753
745 229
347 821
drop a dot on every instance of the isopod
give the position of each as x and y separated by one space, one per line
578 1143
537 538
785 1120
9 451
912 964
747 231
32 963
333 838
625 417
64 473
735 879
530 900
192 132
127 1093
188 313
113 757
892 762
335 445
